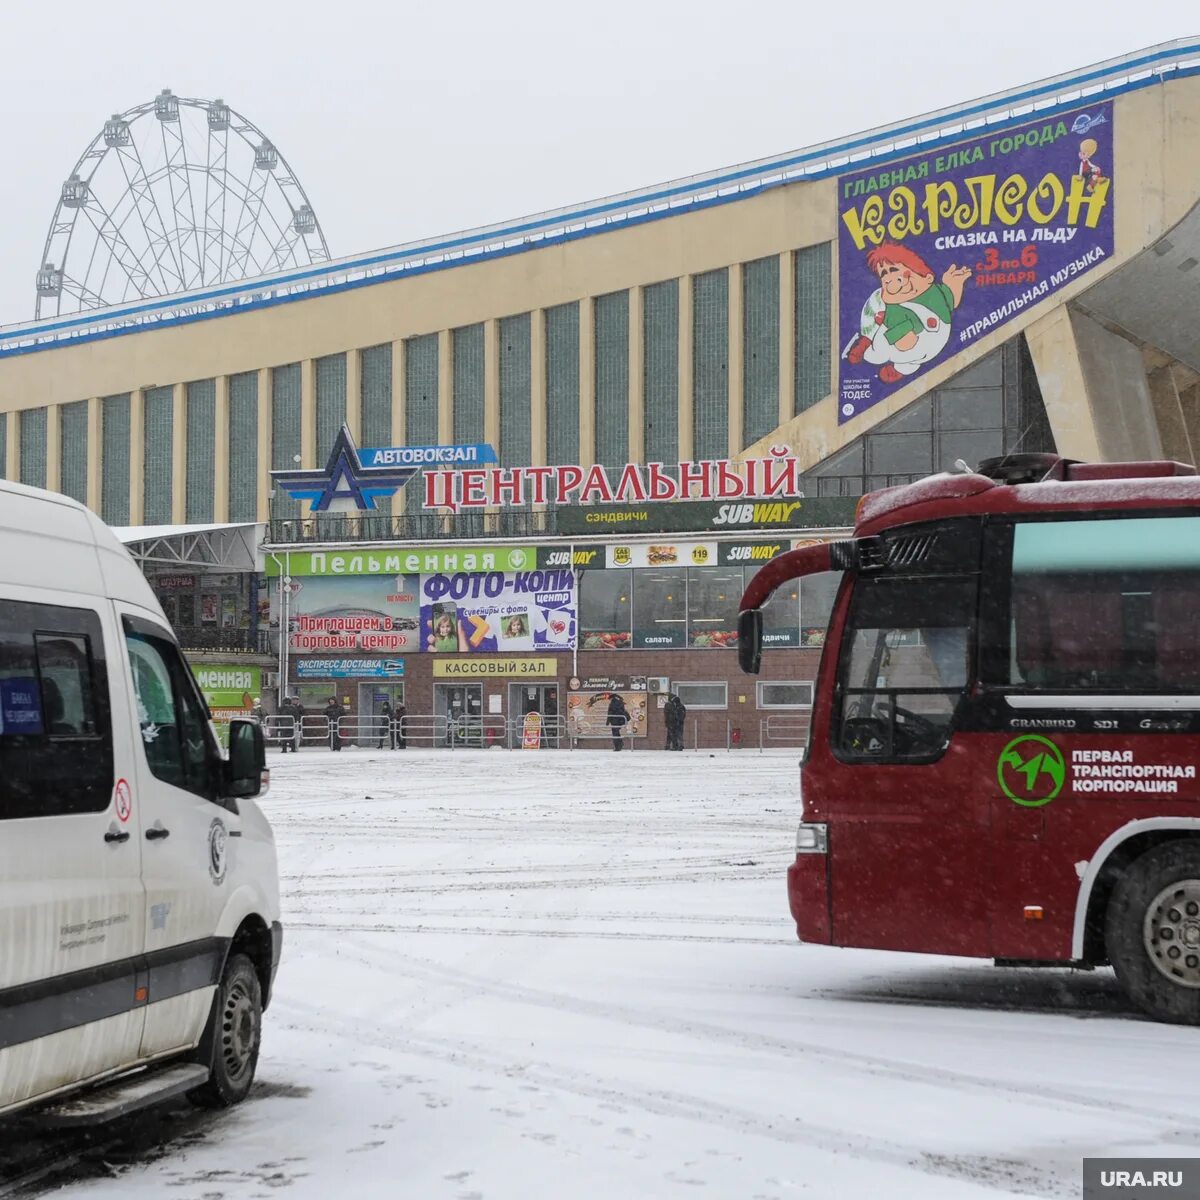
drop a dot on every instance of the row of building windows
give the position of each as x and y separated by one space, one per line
644 608
708 310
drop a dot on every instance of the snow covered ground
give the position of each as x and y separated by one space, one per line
517 976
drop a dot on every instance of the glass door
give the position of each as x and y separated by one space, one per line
461 704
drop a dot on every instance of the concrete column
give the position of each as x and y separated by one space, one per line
1168 415
95 447
538 399
308 413
354 393
179 453
221 450
400 416
686 426
736 372
53 447
637 375
787 336
263 392
1094 386
137 456
1189 404
445 387
587 381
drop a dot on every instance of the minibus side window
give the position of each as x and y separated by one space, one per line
174 729
55 742
904 669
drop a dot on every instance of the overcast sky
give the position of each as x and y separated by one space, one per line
404 120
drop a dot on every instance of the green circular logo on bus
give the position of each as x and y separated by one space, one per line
1031 770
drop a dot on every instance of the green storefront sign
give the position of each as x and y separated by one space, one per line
228 686
402 560
725 516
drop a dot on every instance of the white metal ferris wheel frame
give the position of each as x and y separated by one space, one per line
177 252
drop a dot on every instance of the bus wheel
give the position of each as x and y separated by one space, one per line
1152 932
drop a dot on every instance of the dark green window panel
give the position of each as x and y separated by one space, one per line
73 450
115 430
710 365
285 434
814 309
516 446
201 450
660 335
33 447
376 369
420 403
158 425
760 348
4 420
562 384
468 384
243 447
331 402
612 378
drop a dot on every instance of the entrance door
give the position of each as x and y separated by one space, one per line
542 698
371 698
461 704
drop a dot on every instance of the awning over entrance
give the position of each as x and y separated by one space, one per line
232 546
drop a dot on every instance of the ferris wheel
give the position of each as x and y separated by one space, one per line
175 194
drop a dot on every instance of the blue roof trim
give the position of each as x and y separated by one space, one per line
401 271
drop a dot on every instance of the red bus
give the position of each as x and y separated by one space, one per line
1006 723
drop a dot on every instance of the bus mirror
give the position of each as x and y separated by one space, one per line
750 627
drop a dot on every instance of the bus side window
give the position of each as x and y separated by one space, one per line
905 666
1110 604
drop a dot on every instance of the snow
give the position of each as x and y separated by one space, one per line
514 975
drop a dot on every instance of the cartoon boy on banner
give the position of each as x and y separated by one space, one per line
906 321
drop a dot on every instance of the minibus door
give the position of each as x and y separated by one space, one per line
190 838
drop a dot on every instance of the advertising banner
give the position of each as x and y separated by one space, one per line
402 560
473 613
939 249
750 554
607 683
168 583
350 668
492 668
664 554
209 608
587 714
696 516
370 612
229 691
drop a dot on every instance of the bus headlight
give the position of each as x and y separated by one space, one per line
812 839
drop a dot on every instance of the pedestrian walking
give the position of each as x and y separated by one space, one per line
258 713
618 718
333 714
387 731
400 724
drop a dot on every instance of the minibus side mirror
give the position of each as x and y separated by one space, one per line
247 759
749 647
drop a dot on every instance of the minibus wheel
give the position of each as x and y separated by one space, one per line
1152 931
232 1037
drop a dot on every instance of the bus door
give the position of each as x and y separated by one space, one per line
902 791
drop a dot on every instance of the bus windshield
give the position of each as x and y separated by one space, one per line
905 666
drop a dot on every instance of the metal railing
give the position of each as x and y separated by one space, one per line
780 731
412 527
1112 77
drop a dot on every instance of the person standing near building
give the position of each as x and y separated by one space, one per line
399 724
333 714
618 718
258 713
289 730
673 714
387 730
